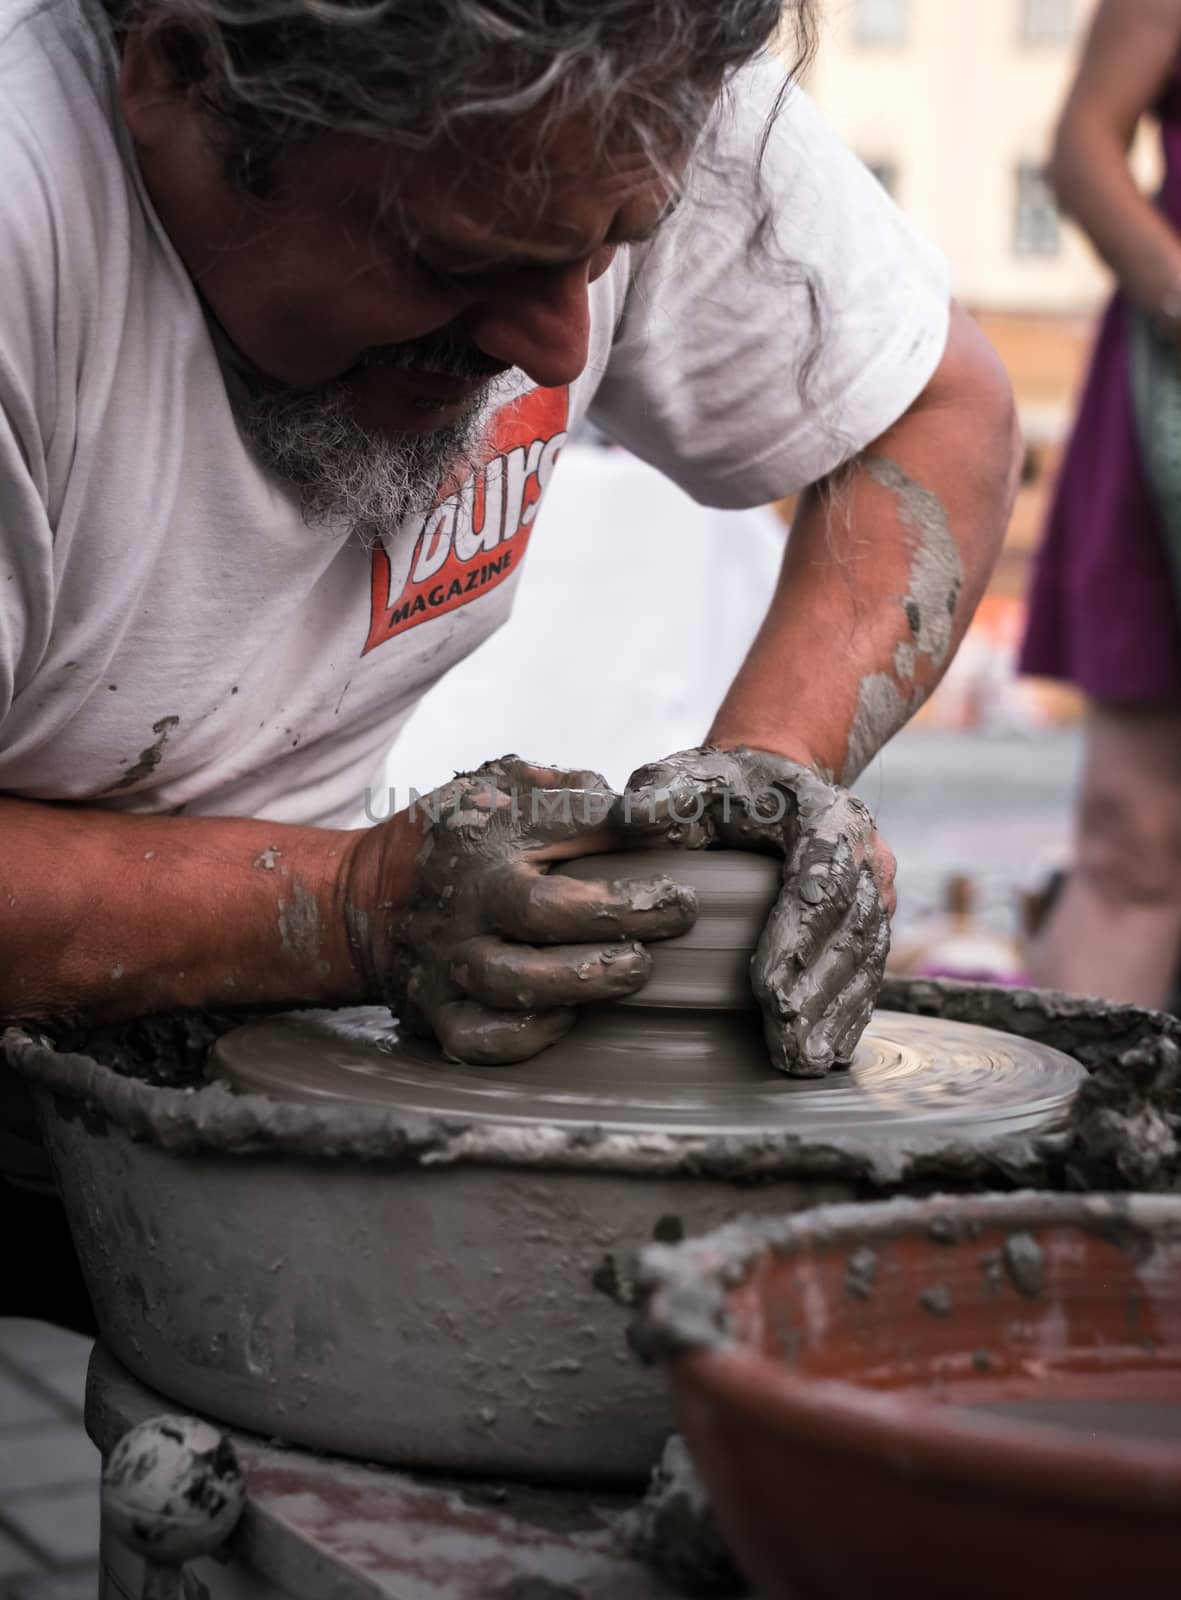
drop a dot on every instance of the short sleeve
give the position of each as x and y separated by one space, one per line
28 319
26 565
38 314
785 318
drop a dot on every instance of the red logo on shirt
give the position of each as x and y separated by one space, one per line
477 535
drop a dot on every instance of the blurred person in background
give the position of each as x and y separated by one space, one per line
1104 612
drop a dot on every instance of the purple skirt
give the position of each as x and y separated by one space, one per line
1103 613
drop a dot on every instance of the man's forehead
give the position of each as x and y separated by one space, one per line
564 195
569 217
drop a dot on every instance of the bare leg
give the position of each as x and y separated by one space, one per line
1116 930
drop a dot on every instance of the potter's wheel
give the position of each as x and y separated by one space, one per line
453 1291
685 1055
910 1075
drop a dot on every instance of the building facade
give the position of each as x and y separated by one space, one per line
953 104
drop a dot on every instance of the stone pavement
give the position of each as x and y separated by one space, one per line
48 1467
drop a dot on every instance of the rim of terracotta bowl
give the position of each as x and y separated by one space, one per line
684 1321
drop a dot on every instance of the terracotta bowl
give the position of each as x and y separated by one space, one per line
955 1398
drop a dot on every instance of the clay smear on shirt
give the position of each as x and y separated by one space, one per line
149 758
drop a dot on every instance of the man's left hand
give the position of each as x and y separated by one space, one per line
819 964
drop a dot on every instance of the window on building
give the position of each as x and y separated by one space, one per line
886 172
881 22
1047 21
1037 230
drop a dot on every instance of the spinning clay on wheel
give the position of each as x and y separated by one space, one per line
686 1054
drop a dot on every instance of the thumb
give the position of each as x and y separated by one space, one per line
663 804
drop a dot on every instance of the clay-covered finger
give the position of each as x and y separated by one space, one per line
512 773
570 778
517 772
800 998
714 771
571 814
483 1037
744 798
850 990
650 821
819 885
523 977
537 907
556 823
884 865
810 1019
836 959
676 799
802 1004
813 1052
833 1040
857 1008
546 812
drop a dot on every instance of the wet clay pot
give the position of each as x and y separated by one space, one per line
341 1240
683 1057
959 1398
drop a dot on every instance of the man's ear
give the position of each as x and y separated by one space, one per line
164 62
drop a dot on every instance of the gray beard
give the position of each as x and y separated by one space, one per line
347 479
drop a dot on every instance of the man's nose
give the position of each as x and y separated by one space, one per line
540 322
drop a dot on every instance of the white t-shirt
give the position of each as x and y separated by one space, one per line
173 635
670 596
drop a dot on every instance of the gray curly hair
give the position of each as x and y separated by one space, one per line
417 73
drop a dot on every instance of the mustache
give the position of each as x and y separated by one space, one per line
448 352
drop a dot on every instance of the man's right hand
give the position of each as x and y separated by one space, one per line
446 912
458 924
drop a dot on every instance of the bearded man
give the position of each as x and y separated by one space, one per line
301 300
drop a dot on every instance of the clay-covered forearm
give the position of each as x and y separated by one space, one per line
105 915
884 569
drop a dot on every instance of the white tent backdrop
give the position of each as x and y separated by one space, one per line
634 611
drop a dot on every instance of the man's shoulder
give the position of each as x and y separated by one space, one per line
58 100
56 56
64 185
